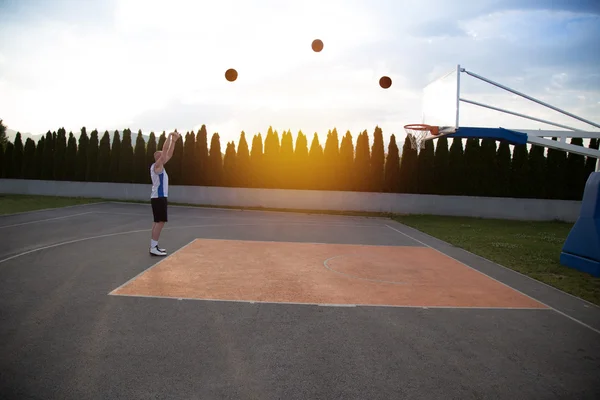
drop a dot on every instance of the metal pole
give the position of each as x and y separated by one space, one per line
530 98
520 115
457 94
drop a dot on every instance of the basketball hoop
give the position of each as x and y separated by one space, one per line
418 132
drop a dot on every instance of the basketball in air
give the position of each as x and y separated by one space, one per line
317 45
385 82
231 74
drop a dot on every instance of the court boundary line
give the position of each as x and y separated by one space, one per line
505 267
49 209
173 228
151 267
272 210
349 305
45 220
502 283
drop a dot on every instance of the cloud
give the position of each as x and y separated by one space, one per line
152 66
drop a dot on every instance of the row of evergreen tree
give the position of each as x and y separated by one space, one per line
479 168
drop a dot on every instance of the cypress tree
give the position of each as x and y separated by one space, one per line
315 162
201 157
377 161
472 157
440 166
301 162
420 177
575 173
346 162
215 158
590 162
256 162
456 168
39 158
286 160
104 174
487 167
8 171
47 164
229 166
242 165
3 138
17 157
271 158
82 154
519 172
503 170
392 168
140 159
59 156
126 163
556 173
536 172
28 170
161 141
91 172
150 150
115 158
408 166
70 166
331 156
362 163
2 149
189 159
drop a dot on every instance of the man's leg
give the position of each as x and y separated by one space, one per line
158 211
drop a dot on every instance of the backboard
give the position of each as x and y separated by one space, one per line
441 102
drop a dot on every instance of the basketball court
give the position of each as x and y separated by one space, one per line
261 305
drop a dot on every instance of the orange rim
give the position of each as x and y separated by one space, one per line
434 130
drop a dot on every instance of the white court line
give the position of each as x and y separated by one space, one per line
278 221
166 228
273 210
494 279
324 304
50 209
44 220
148 269
519 273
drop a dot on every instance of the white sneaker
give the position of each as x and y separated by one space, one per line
155 251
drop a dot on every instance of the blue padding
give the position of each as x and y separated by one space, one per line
581 264
513 137
583 241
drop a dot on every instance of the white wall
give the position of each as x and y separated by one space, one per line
485 207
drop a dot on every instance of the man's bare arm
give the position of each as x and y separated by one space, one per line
167 152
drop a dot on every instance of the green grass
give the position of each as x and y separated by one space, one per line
10 204
531 248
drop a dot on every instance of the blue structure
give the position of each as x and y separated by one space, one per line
581 250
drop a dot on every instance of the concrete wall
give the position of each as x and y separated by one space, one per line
485 207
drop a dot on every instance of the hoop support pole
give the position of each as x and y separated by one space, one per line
529 97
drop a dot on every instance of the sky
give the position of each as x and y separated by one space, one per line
157 65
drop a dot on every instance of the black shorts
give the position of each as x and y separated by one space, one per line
159 209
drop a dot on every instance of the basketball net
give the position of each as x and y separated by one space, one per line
417 134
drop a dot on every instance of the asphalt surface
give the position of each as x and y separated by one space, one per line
63 337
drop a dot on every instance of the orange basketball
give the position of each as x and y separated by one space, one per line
385 82
317 45
231 74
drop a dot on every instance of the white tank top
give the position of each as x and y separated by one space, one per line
160 183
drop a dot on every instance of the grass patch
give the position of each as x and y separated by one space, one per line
531 248
13 203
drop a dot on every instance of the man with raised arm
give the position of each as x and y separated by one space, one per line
160 191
